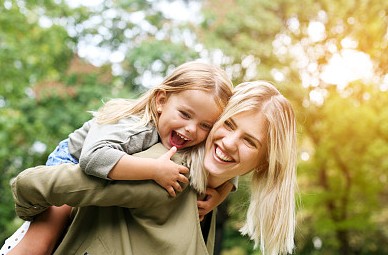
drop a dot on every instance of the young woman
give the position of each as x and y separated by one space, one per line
256 133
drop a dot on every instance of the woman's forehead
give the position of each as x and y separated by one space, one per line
252 121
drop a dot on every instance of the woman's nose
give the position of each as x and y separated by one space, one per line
230 142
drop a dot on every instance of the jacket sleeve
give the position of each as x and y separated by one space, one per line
37 188
104 145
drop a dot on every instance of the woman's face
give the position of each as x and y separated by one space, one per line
237 145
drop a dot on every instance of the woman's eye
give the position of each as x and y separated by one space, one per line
184 114
250 143
228 124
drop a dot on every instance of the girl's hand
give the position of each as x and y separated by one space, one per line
213 198
168 174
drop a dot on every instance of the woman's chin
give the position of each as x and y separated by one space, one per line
214 170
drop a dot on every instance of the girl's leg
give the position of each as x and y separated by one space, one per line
13 240
47 228
44 232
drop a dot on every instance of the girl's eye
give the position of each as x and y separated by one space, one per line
206 126
184 114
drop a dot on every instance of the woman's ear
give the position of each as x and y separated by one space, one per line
161 99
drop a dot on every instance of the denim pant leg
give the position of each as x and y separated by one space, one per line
61 155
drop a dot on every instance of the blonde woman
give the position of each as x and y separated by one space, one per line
256 133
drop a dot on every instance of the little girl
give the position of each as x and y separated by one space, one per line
179 113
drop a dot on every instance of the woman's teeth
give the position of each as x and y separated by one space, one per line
222 156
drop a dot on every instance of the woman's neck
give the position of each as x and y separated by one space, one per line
215 182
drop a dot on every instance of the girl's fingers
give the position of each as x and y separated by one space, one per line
183 170
171 191
183 179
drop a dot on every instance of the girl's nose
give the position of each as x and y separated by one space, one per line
191 128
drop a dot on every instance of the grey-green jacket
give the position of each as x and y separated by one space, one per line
148 221
99 147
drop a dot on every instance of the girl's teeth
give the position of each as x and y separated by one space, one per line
222 156
184 138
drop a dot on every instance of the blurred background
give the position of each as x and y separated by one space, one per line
60 59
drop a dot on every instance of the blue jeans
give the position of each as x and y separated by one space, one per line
61 155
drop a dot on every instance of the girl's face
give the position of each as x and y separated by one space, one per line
236 146
185 118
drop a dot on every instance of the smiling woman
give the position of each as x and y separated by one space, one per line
257 132
239 144
258 125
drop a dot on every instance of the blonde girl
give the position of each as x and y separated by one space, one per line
179 113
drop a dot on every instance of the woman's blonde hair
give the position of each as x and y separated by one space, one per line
189 76
271 213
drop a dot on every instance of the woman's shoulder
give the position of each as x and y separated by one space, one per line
158 150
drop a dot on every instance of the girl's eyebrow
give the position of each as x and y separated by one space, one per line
233 122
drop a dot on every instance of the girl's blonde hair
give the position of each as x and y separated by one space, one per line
189 76
271 213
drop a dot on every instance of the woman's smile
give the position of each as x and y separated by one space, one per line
221 155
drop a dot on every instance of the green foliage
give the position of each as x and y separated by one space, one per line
348 174
44 96
157 57
28 53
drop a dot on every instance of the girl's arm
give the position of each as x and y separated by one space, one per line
162 170
107 153
104 145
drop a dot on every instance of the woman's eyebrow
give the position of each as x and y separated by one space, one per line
248 134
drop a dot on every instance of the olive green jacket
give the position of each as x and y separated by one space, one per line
148 221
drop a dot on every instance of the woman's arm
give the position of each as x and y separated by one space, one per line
37 188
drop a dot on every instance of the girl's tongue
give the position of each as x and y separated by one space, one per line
176 140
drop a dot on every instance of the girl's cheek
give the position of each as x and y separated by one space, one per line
204 135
